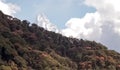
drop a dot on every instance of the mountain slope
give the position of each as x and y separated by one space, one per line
25 47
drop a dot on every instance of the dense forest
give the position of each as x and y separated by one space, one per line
26 46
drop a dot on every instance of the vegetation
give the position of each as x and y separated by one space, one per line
30 47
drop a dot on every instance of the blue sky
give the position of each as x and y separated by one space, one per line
58 11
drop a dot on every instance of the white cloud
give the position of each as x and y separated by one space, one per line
82 28
109 11
42 21
8 8
102 25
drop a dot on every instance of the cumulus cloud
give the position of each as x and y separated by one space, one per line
8 8
108 10
42 21
102 26
85 27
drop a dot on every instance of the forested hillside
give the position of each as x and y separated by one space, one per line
26 46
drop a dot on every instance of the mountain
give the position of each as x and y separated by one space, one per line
26 46
42 21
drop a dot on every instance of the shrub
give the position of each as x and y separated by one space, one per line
3 67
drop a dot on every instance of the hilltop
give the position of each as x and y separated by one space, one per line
26 46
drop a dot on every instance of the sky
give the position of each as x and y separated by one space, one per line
58 11
97 20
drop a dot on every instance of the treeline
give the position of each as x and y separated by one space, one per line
26 46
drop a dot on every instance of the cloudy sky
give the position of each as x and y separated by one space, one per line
97 20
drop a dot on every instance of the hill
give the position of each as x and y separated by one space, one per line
26 46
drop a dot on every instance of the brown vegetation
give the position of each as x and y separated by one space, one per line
30 47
